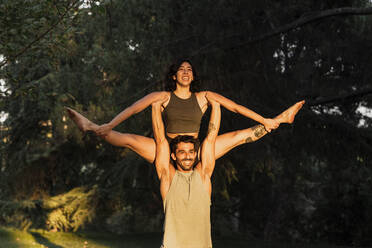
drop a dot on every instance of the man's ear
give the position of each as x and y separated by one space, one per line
174 77
173 156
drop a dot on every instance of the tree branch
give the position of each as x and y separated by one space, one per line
309 18
42 35
305 19
326 100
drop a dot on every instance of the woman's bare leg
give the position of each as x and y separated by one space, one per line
288 115
143 146
230 140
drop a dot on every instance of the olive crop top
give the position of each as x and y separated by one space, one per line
182 115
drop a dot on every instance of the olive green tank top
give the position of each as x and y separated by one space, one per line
182 115
187 213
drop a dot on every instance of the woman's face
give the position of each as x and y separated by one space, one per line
184 75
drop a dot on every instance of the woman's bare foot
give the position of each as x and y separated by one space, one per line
83 123
288 115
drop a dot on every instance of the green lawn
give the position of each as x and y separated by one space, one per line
12 238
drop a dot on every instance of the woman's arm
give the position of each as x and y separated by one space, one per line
135 108
269 124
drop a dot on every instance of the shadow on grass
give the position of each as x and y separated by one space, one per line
43 241
140 240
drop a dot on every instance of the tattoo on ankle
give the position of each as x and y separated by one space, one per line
249 140
259 131
211 128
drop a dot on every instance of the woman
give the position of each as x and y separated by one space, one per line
182 110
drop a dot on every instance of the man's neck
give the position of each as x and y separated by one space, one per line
184 171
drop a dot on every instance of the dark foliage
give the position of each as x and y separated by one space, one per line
310 181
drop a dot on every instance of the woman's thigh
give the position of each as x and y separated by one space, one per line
143 146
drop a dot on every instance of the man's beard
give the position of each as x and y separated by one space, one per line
187 168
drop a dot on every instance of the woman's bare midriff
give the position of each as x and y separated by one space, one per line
174 135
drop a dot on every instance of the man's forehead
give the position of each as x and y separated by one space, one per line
185 145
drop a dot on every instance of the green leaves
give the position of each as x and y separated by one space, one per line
101 59
35 24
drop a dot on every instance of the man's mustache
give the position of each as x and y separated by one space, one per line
187 159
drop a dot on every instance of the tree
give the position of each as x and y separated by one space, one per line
308 181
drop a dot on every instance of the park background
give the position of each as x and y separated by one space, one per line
309 182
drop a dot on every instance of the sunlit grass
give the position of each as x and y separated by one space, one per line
13 238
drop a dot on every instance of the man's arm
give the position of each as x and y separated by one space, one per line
208 147
162 147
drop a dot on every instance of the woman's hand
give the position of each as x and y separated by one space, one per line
103 130
270 124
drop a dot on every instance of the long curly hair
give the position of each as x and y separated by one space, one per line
170 83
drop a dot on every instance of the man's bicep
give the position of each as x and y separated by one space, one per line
162 158
208 157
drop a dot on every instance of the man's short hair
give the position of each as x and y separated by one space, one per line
185 139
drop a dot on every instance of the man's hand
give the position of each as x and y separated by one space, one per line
160 102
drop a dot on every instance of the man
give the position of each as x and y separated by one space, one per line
186 189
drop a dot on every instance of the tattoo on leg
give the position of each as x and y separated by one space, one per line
211 128
249 140
259 131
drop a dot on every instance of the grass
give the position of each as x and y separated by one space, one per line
13 238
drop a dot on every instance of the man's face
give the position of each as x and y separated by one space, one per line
185 156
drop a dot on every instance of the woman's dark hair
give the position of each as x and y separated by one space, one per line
170 83
186 139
